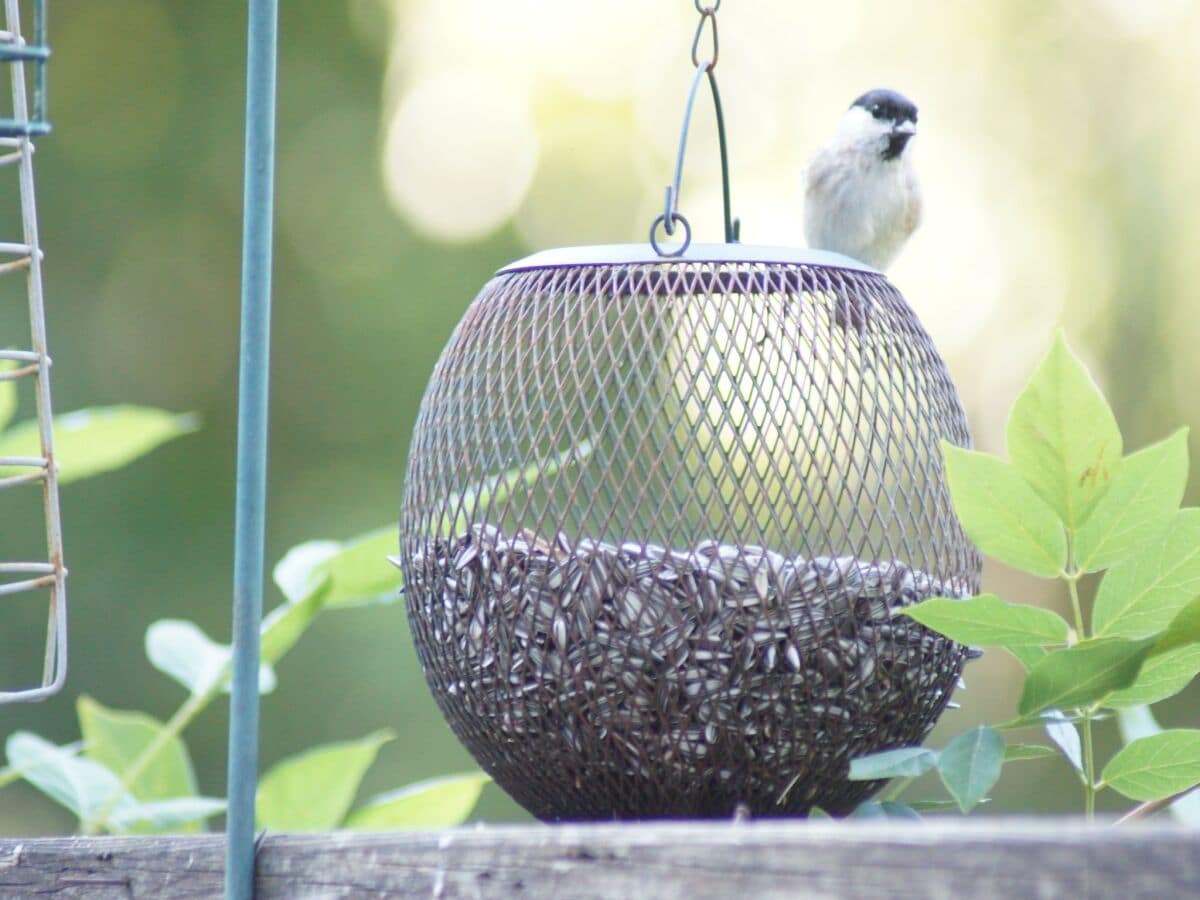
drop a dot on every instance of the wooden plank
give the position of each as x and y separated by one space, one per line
950 858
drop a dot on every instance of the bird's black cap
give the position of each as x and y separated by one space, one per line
885 104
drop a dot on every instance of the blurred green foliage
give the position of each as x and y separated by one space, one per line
1059 151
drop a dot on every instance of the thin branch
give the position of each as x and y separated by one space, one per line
1150 807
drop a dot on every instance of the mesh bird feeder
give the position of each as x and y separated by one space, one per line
661 510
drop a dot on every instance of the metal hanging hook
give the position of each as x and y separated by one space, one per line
707 15
671 216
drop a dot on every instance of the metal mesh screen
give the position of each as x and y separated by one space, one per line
657 520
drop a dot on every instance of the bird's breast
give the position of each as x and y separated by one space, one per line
865 209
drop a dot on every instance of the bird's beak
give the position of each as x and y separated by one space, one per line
906 128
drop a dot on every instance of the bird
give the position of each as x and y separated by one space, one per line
862 198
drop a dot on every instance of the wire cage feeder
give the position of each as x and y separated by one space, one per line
19 257
661 509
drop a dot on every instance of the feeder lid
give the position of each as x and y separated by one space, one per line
626 254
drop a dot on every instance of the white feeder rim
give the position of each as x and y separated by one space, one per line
630 254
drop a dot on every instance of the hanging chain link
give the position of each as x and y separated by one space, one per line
708 15
670 216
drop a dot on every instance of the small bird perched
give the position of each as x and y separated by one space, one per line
861 197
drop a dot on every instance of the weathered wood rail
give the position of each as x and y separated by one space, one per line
951 858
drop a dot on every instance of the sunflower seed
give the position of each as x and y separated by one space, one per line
648 653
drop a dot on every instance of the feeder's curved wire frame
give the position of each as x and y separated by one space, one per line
732 225
670 215
17 148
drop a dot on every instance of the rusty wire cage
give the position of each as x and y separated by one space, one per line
658 518
21 262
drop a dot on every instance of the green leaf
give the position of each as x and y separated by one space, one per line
904 762
1173 661
885 809
970 764
1002 514
312 791
285 624
86 786
179 648
115 738
1144 494
177 815
355 572
8 394
296 573
1183 630
1080 675
1027 656
1019 752
1139 722
1155 767
1052 715
358 571
1066 738
1063 438
988 621
497 489
436 803
1162 676
9 774
1138 597
90 441
182 650
936 805
81 785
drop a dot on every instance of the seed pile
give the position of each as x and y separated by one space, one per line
732 672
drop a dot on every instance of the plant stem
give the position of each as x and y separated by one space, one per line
1150 807
183 717
896 788
1072 576
1089 769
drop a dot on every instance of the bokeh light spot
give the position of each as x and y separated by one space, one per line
460 153
1141 18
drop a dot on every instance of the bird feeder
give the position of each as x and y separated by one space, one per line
22 258
662 509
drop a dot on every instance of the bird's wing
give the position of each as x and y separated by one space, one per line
913 207
835 207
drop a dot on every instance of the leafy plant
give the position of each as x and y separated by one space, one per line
1068 505
133 774
90 441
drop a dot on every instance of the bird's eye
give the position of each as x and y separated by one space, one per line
875 109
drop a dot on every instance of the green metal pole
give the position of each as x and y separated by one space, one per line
250 521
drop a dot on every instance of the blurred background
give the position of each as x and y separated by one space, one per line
425 143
